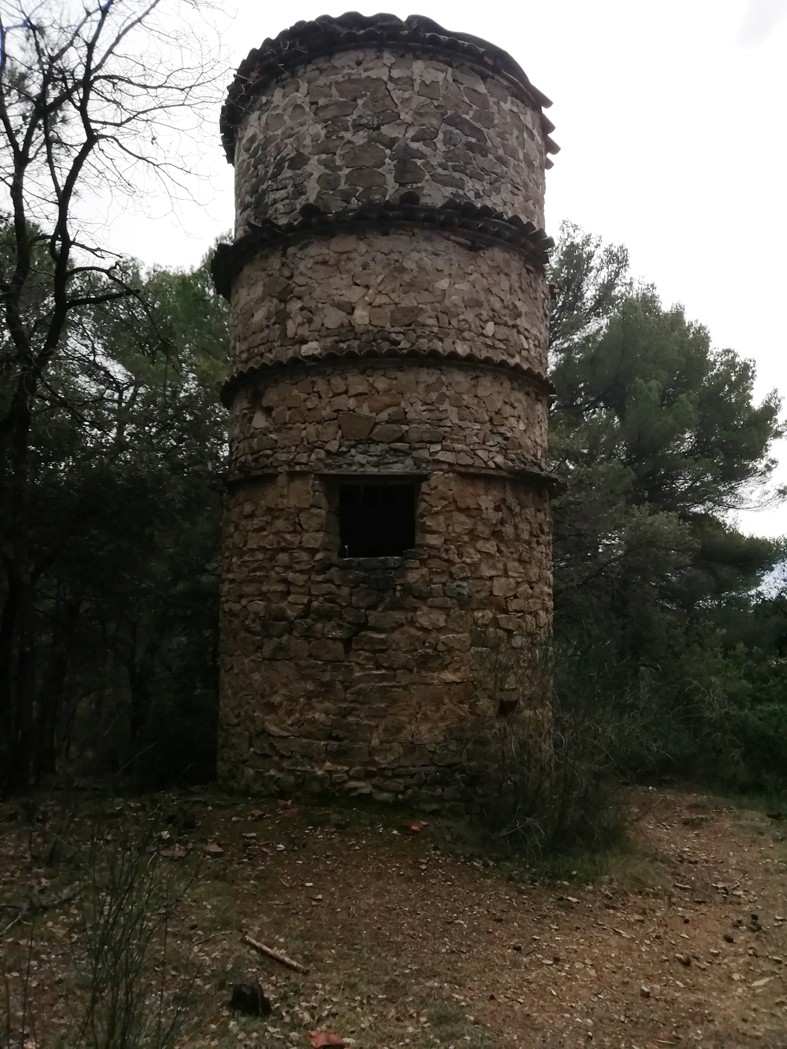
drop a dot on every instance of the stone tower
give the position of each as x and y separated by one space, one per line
388 507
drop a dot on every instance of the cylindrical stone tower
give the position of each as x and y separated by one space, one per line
388 507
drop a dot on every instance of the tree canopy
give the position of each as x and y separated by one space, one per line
85 91
121 524
112 447
657 436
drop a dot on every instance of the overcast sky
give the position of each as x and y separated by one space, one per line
671 119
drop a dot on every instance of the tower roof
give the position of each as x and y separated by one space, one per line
326 35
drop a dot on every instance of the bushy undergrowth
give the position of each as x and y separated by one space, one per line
719 718
559 759
578 722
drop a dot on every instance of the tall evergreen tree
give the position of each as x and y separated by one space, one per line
658 437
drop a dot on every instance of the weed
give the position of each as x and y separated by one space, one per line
553 758
123 993
126 907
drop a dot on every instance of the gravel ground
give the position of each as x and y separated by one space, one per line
681 942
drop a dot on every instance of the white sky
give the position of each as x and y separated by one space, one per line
671 119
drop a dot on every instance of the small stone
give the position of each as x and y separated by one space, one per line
356 427
728 937
408 173
177 852
344 243
367 155
403 315
387 432
366 178
644 991
339 108
684 959
762 982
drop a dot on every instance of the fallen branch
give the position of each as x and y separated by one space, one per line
13 922
277 956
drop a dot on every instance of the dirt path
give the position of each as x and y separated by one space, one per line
682 944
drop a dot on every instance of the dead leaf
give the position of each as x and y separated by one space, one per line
256 814
416 826
319 1039
214 849
289 808
177 852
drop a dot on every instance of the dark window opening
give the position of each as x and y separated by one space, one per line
376 520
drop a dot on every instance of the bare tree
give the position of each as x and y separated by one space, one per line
95 98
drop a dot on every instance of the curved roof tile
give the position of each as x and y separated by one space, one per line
381 353
481 224
326 35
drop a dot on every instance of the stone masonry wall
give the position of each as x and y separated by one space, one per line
381 417
415 291
363 126
389 317
366 675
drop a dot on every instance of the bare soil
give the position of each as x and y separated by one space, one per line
679 940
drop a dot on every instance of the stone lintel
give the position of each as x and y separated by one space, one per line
531 475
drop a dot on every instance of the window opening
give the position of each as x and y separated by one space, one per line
376 519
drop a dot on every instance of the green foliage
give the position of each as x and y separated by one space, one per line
122 525
648 391
83 102
671 662
657 436
591 281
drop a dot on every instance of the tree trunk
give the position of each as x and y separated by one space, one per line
16 641
52 689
